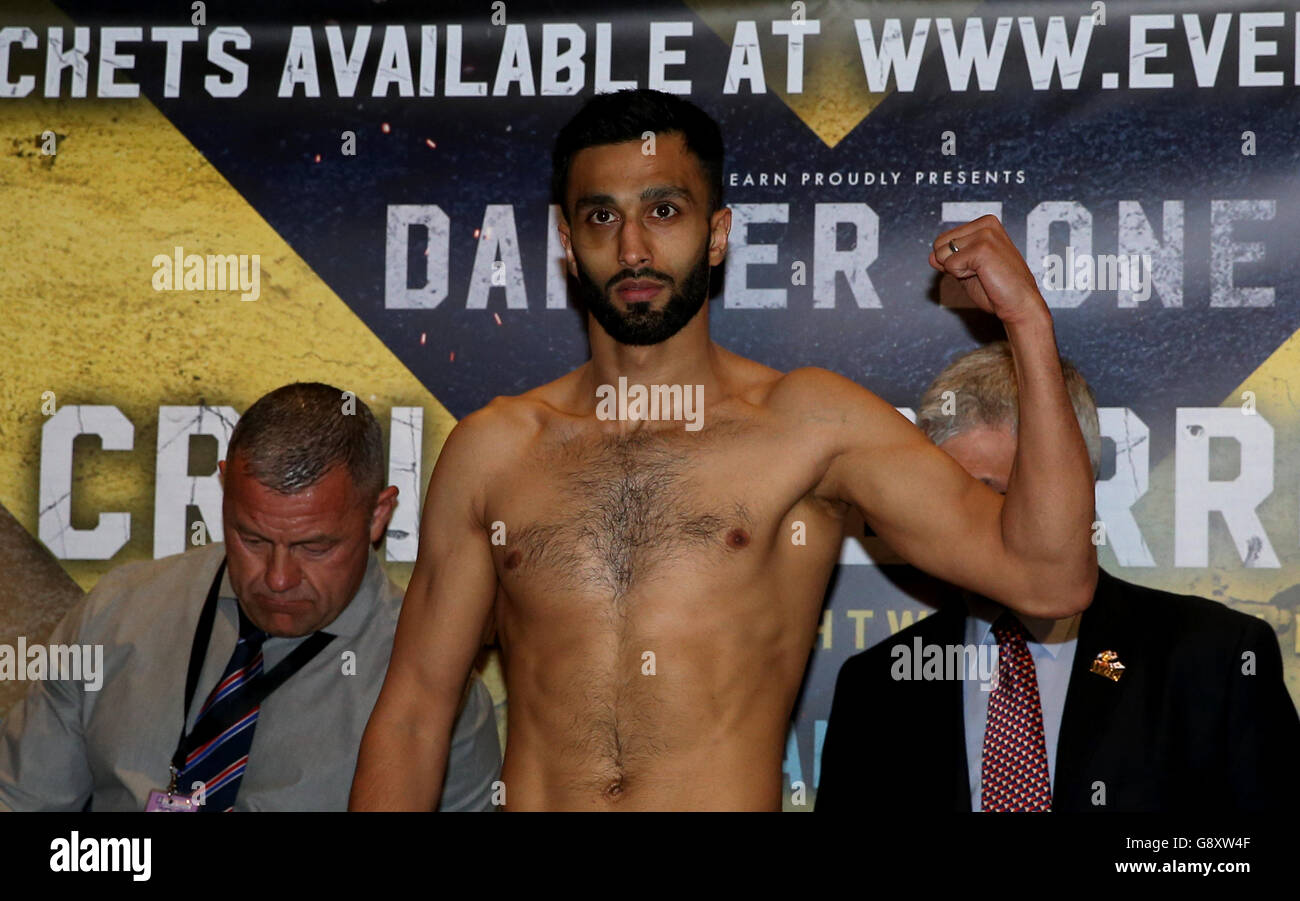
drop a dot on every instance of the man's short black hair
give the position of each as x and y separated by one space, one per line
626 116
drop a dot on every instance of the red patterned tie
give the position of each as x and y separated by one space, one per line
1014 771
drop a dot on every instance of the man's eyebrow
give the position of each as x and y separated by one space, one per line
320 538
653 192
663 192
317 539
594 200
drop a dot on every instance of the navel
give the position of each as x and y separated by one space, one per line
513 558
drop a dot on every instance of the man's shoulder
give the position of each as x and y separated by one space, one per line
813 384
147 590
134 575
388 604
504 423
821 402
1181 620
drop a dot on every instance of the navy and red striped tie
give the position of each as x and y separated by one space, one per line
1014 775
220 763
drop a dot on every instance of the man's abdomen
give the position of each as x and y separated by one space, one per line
732 775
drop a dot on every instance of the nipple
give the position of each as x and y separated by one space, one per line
737 538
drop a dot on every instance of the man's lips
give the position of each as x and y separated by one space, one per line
282 604
637 290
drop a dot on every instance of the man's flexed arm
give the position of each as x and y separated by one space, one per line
403 756
1031 550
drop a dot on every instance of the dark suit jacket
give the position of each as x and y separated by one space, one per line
1182 730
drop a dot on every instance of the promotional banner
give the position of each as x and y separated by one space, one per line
202 203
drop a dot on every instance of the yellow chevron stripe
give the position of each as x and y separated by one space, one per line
80 230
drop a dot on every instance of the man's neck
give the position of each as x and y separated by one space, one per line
688 358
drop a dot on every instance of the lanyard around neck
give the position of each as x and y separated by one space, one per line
254 693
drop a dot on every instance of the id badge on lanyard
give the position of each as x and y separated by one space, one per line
169 802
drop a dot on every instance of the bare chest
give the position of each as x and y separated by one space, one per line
607 513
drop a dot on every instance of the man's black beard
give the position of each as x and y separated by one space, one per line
641 325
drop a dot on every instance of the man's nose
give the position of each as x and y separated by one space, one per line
282 573
633 250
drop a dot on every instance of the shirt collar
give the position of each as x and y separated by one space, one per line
350 622
1051 634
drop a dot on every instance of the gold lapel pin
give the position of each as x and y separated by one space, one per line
1107 664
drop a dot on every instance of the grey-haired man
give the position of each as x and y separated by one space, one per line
1145 701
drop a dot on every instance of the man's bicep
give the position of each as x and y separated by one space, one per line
926 507
452 587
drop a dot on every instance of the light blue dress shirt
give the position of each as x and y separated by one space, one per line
1051 642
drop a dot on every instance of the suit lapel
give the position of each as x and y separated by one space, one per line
1091 699
949 628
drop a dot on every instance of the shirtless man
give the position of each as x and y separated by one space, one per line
657 589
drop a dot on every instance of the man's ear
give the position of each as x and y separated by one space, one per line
221 472
383 512
719 230
566 241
